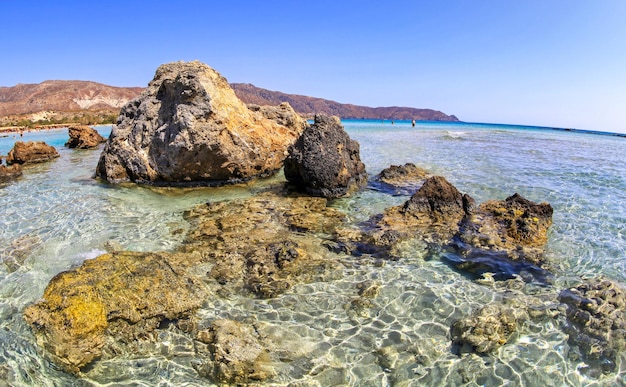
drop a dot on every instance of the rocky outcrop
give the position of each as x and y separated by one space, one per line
189 127
402 179
123 295
111 303
83 137
596 324
324 161
278 250
501 237
8 173
31 152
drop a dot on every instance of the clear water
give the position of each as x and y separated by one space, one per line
56 216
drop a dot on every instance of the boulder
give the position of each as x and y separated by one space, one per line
8 173
83 137
596 324
402 179
432 214
324 161
31 152
188 127
122 295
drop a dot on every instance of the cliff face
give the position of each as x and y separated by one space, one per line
40 100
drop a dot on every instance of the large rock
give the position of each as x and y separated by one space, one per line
31 152
83 137
325 161
8 173
188 126
120 295
596 324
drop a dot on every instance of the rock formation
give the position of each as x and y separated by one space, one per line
402 179
596 323
272 257
8 173
124 295
189 127
83 137
324 161
31 152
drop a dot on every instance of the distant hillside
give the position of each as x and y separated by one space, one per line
52 101
308 106
63 96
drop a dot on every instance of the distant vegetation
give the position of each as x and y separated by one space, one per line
83 118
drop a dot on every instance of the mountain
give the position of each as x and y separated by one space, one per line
63 96
53 99
308 106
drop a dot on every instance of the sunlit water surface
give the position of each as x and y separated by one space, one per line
57 215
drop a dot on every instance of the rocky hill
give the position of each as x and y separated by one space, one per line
308 106
51 100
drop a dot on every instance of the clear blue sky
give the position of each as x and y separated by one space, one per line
555 63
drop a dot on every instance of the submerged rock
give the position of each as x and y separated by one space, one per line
402 179
9 173
83 137
324 161
596 323
264 244
121 296
488 328
189 127
239 355
31 152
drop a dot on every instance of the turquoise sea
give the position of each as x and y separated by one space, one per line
57 215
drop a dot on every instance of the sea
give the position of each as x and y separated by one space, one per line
57 215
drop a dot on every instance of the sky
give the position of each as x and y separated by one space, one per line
554 63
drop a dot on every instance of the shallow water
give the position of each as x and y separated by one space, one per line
56 216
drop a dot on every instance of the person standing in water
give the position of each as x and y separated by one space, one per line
413 123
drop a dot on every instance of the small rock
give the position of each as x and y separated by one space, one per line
31 152
83 137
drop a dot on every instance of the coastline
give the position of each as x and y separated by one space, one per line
37 128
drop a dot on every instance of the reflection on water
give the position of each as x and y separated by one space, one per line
57 215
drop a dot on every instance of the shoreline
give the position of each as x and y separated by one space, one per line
36 128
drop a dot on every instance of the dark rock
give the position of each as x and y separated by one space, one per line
401 179
596 323
8 173
31 152
83 137
324 161
188 127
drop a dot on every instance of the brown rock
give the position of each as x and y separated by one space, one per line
83 137
123 295
8 173
404 177
189 127
31 152
238 352
253 246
